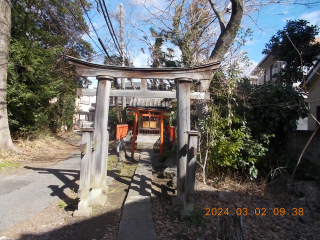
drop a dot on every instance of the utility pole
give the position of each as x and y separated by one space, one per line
123 80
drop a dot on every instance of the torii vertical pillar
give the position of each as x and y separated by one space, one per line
161 134
134 133
189 183
85 168
101 137
183 116
124 101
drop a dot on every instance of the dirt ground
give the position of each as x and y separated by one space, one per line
56 221
257 199
256 202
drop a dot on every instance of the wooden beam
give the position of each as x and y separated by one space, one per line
87 69
142 94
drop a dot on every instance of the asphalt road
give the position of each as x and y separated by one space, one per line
24 196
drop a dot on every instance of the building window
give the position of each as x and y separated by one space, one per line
84 100
265 77
271 71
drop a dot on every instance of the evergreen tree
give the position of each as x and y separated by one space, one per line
41 85
296 46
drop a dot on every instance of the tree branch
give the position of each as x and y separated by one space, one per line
227 36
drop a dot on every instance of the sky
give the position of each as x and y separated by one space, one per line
273 19
268 21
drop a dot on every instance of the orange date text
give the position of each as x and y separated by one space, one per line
254 212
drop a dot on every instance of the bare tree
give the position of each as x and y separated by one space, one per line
5 23
198 26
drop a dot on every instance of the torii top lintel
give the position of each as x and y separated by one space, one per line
87 69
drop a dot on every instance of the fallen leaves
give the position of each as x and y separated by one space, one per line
170 226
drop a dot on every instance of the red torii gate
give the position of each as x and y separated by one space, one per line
137 113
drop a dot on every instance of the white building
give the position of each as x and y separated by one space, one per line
264 72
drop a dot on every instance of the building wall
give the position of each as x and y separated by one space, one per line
269 66
298 140
302 124
314 98
85 102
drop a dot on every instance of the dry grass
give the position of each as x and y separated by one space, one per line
45 149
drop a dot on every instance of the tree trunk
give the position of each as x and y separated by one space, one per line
230 227
226 37
5 28
229 33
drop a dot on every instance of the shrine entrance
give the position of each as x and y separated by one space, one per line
148 122
95 143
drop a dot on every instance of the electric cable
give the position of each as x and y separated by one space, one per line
95 31
75 18
105 6
109 25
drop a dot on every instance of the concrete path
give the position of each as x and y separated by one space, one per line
136 222
24 196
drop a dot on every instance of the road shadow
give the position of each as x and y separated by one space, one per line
66 176
103 222
93 227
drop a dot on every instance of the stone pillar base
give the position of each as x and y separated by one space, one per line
105 189
187 209
95 193
83 209
82 213
180 196
100 201
175 202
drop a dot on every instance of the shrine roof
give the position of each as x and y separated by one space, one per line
150 103
150 109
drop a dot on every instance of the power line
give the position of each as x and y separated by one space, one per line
109 25
104 3
88 17
95 31
75 18
98 7
99 12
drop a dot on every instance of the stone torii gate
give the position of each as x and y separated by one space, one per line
105 74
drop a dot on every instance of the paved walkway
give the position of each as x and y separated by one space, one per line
136 222
24 196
